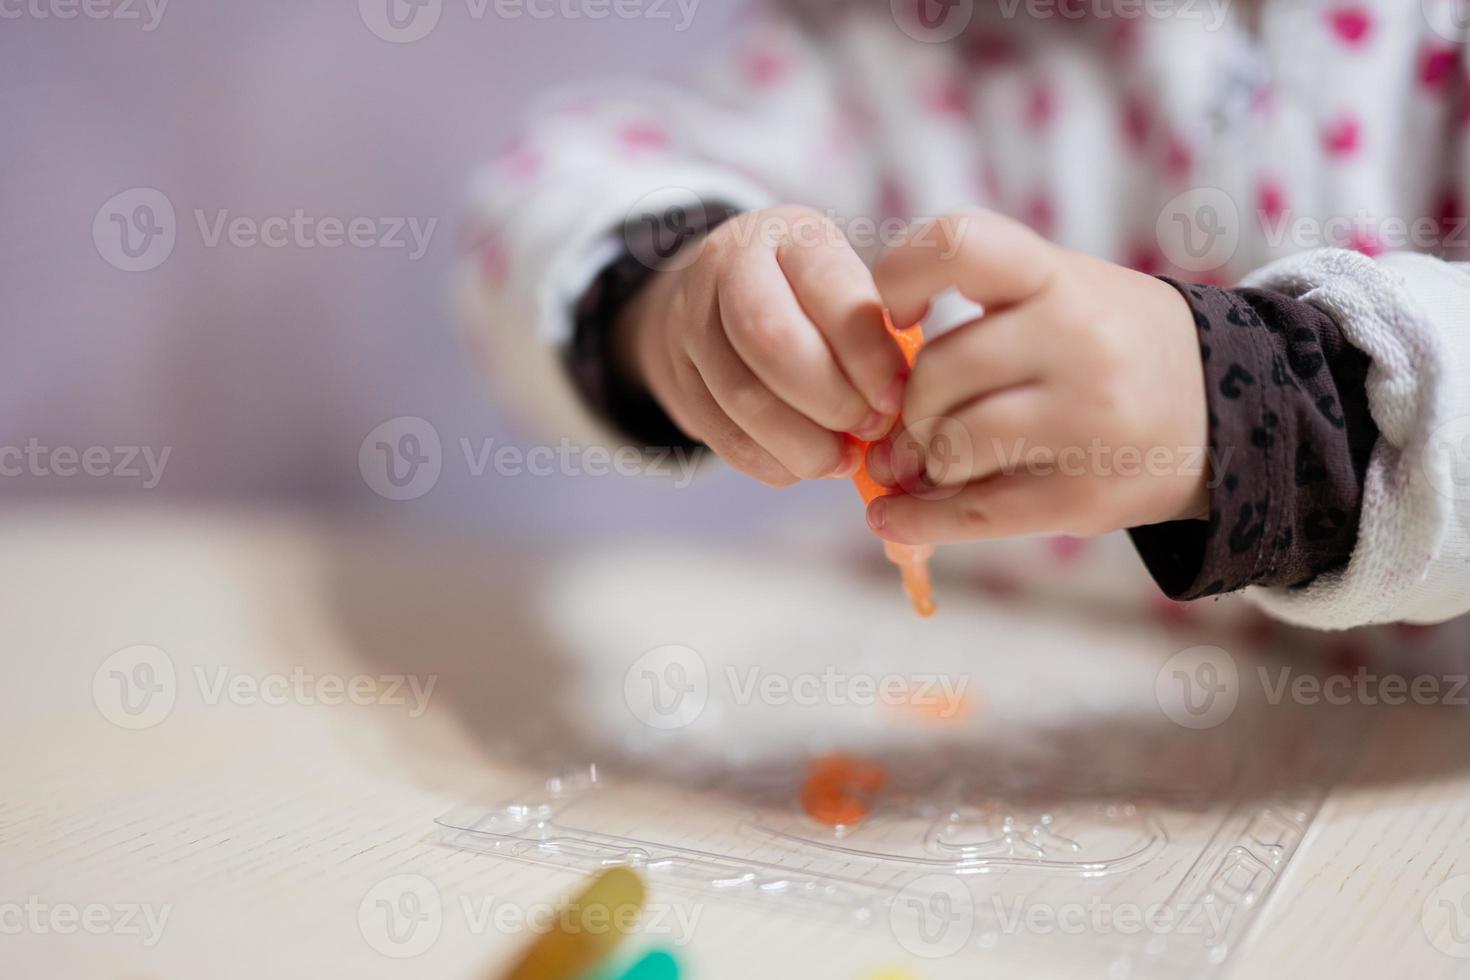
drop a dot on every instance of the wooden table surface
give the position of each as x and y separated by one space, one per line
245 824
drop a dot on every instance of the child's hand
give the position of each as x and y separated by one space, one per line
767 346
1077 404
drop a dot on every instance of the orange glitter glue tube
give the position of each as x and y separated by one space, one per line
912 559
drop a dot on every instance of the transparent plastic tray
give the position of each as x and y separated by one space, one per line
1024 836
1057 853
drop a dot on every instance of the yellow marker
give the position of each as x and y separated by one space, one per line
586 929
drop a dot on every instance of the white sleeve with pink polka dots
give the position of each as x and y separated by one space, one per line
1199 141
548 212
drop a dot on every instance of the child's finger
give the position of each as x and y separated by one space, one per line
836 290
982 357
696 412
989 258
774 337
998 433
799 444
999 507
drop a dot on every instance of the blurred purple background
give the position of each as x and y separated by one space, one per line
262 369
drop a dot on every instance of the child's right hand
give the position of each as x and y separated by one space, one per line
767 346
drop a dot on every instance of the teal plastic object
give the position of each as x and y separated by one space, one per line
660 964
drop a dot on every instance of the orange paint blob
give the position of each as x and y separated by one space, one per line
912 560
839 790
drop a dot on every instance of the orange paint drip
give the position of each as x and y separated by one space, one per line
912 560
839 790
947 710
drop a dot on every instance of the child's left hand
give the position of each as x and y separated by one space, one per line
1075 405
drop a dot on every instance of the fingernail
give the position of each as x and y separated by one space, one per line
873 426
852 458
878 514
891 398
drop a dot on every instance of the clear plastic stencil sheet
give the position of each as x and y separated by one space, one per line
1045 806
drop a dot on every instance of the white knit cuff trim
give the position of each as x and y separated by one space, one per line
1403 516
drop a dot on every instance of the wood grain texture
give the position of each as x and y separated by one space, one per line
264 829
